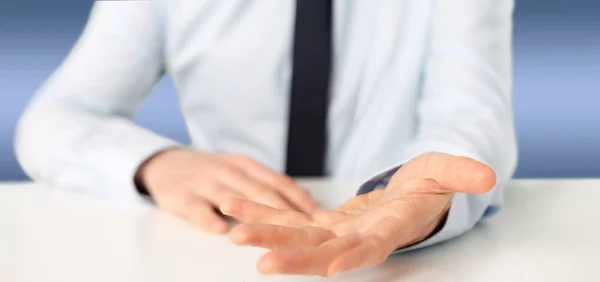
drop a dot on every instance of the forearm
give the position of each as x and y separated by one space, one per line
77 131
63 145
466 105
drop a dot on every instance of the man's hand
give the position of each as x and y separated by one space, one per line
192 185
366 229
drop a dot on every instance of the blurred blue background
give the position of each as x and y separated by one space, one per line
557 80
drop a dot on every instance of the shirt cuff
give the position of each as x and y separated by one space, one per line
131 158
107 165
379 181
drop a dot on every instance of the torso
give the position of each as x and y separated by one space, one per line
231 64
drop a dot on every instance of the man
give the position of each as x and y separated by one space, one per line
415 92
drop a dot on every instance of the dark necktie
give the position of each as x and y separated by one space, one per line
307 132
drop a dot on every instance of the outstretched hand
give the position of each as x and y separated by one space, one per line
367 228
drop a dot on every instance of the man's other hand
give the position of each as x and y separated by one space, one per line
192 185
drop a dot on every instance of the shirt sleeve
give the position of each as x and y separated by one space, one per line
466 105
77 132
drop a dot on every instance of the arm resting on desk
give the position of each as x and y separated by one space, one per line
77 132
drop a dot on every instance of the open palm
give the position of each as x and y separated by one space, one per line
364 230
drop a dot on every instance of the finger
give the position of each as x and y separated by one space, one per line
276 237
251 212
455 173
237 181
369 253
298 197
216 193
202 214
380 240
309 260
353 259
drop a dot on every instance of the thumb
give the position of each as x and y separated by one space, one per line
453 173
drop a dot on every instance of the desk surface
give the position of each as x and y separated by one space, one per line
547 231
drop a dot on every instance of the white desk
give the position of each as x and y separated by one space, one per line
547 231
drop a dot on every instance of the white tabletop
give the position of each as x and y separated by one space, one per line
547 231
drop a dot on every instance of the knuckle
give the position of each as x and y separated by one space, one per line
226 171
257 188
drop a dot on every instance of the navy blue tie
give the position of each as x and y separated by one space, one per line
309 101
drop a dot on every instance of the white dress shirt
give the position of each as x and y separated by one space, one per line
410 76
